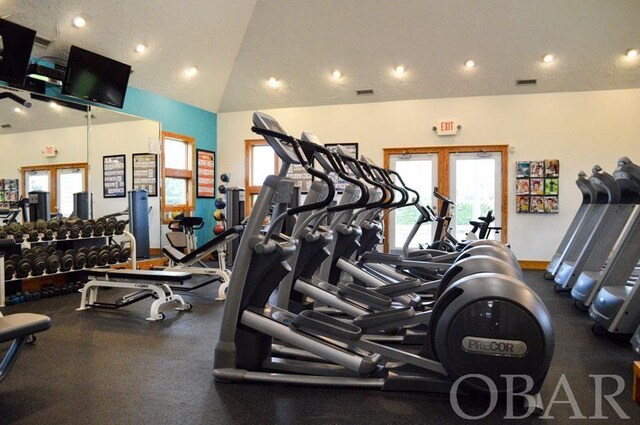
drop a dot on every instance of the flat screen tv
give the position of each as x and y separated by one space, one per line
16 43
96 78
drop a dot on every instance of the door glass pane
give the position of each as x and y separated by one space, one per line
474 188
176 191
37 180
419 173
70 181
175 154
262 160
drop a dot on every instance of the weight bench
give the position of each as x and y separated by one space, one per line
193 262
18 328
147 283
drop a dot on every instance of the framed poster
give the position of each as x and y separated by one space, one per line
352 151
114 176
145 172
205 173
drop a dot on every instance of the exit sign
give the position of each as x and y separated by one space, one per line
50 151
446 128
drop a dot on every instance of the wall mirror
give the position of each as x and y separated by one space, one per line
59 146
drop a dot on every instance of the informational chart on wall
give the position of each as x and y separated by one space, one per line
352 150
206 174
114 176
537 186
145 172
300 177
9 195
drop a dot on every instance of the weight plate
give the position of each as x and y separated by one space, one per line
9 269
34 235
47 235
26 251
114 254
109 228
29 256
53 264
98 229
18 236
23 269
15 258
51 249
87 230
74 233
120 227
13 228
80 260
53 224
71 252
125 254
27 227
3 234
39 265
84 250
92 259
62 232
103 257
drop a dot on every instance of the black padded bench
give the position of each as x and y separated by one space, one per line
18 328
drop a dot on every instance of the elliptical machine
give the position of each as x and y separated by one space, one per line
489 324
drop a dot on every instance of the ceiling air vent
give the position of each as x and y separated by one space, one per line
42 41
363 92
531 82
5 125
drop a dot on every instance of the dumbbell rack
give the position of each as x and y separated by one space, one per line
47 279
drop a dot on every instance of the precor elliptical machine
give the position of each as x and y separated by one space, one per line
487 324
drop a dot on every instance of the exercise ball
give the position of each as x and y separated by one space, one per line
218 215
219 228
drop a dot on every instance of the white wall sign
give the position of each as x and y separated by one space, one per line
446 128
50 151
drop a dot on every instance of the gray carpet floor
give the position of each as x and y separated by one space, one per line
114 367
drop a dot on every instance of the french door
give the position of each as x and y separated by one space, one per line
473 177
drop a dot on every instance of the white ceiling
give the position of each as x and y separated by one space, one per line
238 44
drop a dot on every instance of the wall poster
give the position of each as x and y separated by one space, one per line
114 176
537 186
205 174
352 150
145 172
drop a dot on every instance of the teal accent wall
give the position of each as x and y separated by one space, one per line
176 117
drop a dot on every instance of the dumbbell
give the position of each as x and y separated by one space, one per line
110 227
74 232
3 234
92 256
47 235
51 249
41 225
39 264
120 226
125 254
53 224
103 256
114 254
38 250
18 236
80 259
66 261
34 235
23 268
27 227
62 232
9 269
53 264
87 230
26 251
98 228
12 228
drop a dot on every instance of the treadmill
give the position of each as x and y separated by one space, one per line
620 267
616 307
589 199
596 229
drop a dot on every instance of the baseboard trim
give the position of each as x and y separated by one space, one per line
533 264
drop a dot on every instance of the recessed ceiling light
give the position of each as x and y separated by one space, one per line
79 22
548 58
191 72
140 48
470 63
17 109
399 71
336 75
273 83
632 53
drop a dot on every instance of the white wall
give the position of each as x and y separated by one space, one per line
129 137
580 129
122 138
26 149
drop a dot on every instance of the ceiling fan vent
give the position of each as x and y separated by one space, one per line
364 92
531 82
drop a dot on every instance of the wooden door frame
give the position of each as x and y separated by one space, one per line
248 158
444 183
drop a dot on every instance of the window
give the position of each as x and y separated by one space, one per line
60 180
177 171
260 161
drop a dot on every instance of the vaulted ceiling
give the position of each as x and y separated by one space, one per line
237 45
